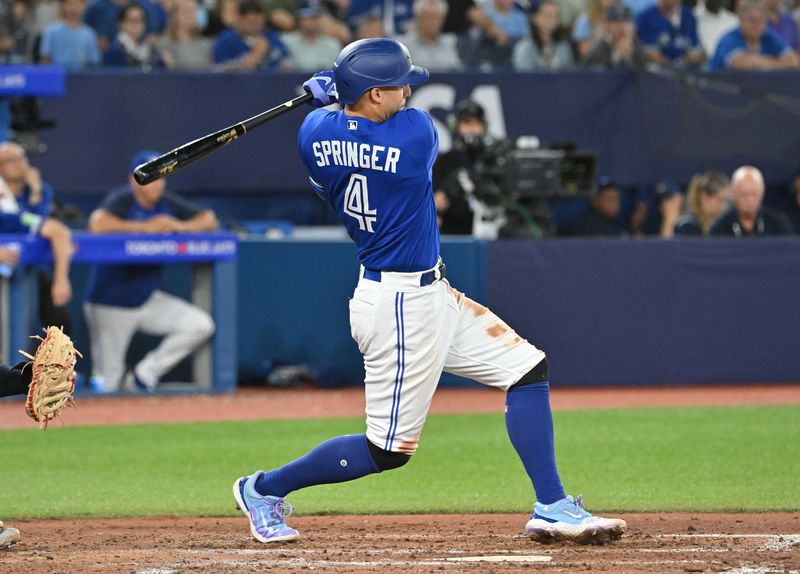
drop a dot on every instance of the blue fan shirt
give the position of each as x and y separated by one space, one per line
734 43
660 34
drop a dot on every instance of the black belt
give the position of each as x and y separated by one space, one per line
425 279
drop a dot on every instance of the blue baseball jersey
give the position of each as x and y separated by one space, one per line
658 33
230 46
402 10
377 176
132 285
734 43
22 222
28 217
45 205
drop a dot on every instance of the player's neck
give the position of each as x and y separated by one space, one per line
364 111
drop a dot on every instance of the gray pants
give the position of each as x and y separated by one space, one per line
183 325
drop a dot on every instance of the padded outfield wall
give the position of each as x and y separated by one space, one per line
608 312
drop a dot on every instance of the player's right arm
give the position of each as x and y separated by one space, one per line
60 238
110 217
102 221
304 142
14 380
322 86
192 217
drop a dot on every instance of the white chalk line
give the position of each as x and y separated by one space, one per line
726 535
773 543
306 563
505 558
759 570
698 549
295 550
779 543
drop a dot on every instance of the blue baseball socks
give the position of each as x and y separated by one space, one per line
337 460
530 427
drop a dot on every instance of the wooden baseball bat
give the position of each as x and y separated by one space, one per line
181 156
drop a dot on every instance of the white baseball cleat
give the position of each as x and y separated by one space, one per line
567 519
8 536
267 514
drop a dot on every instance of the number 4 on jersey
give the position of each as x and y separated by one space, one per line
356 203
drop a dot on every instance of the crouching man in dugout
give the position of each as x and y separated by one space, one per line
124 299
409 323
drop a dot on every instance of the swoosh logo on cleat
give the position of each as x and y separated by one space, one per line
568 513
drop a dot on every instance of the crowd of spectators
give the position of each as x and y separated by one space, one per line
306 35
711 204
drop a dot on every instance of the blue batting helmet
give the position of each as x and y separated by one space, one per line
374 63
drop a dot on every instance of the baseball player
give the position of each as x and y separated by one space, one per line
13 381
372 162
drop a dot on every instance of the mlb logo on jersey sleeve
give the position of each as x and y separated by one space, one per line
352 125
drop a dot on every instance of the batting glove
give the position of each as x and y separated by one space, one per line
323 88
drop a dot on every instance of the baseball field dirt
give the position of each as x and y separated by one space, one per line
737 543
656 542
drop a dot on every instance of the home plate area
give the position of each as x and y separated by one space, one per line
669 542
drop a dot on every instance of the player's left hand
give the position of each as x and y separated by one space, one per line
323 87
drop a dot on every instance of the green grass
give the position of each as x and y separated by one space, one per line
699 459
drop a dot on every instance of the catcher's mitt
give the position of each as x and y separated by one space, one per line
52 379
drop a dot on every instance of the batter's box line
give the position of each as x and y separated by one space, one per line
718 535
310 551
758 570
774 542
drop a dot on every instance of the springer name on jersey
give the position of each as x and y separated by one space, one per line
354 154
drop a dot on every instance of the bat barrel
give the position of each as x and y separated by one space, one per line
181 156
166 163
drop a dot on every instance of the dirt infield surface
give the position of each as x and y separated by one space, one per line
669 542
740 544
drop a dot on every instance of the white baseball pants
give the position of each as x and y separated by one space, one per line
183 325
409 334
